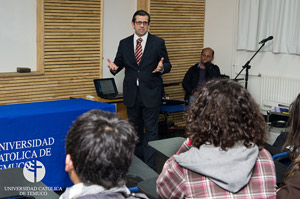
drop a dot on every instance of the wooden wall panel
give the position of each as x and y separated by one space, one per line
72 54
181 24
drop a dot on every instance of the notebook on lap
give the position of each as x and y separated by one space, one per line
106 88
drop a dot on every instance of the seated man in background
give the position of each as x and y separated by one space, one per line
223 156
99 149
198 74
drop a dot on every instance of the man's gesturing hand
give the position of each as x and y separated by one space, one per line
112 65
160 66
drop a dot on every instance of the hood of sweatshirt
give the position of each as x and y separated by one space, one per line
83 189
231 169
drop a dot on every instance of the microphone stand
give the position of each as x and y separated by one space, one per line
247 67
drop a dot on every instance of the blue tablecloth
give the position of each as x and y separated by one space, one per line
36 132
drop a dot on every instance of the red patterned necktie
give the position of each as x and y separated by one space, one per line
138 50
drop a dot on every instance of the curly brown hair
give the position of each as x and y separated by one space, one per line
224 114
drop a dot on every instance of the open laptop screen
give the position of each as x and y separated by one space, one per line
105 87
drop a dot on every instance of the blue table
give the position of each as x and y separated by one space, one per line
33 134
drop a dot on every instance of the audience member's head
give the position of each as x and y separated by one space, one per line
99 149
293 139
207 55
224 114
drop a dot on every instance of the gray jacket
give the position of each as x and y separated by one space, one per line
231 169
87 191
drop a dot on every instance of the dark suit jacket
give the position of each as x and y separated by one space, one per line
149 83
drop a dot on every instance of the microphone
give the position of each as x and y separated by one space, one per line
265 40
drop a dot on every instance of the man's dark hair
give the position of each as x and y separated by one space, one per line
101 146
225 114
141 13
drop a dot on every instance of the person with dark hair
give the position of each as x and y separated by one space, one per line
291 185
292 143
140 13
223 156
145 58
290 188
198 74
99 148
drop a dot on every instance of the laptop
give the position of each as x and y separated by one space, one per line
106 88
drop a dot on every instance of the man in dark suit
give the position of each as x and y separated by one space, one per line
145 59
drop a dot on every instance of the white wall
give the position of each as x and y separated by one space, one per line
17 35
219 32
221 19
116 26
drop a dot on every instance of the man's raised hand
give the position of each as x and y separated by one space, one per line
112 65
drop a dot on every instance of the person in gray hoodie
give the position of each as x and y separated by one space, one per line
99 148
223 156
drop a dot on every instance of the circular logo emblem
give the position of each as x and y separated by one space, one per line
34 171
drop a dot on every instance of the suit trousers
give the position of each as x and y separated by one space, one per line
145 122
